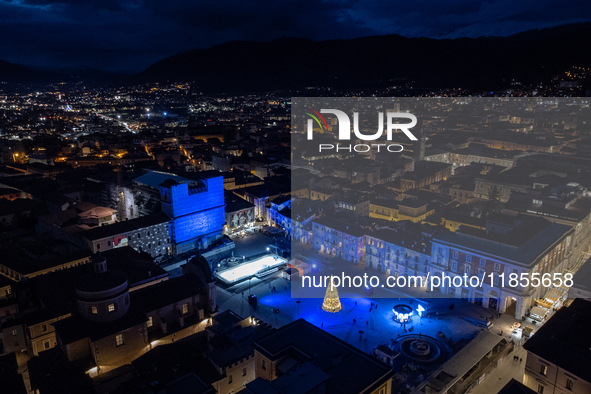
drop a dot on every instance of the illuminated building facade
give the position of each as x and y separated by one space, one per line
398 251
260 196
239 214
279 213
519 245
299 216
145 234
340 239
408 209
195 207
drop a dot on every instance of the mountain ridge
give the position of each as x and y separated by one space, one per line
374 62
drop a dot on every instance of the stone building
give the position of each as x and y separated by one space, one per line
230 341
102 315
399 251
424 174
150 234
338 238
48 297
239 214
302 355
113 326
558 356
509 245
195 207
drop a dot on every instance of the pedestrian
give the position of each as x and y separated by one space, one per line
376 306
322 325
367 322
520 360
355 303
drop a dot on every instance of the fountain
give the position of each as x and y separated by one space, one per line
421 350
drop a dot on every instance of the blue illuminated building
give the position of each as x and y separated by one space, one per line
195 207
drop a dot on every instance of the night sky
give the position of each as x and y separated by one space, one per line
130 35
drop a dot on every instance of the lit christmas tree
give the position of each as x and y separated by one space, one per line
331 299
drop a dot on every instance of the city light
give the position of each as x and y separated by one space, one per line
402 313
469 227
420 310
250 269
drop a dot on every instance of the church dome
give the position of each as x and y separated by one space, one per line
102 295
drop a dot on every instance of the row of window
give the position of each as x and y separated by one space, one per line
454 266
120 340
98 245
544 371
112 307
468 258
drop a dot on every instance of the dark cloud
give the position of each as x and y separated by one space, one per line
132 34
